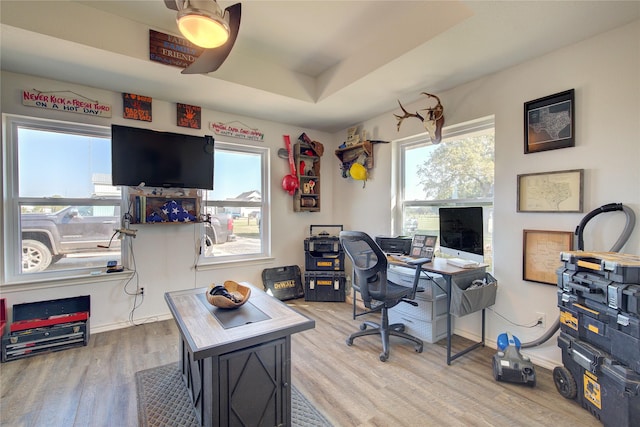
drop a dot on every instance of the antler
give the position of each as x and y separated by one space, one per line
433 121
406 114
437 112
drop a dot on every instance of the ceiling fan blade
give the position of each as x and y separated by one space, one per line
171 4
211 59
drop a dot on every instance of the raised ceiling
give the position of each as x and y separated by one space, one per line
323 65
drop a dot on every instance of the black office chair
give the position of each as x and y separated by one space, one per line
378 294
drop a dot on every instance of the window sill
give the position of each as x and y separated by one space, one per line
202 266
96 276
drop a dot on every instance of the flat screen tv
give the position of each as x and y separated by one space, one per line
461 233
160 159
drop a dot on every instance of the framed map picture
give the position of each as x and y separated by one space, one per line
541 254
560 191
549 122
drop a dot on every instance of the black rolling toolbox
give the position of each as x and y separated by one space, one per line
615 332
599 302
602 385
324 277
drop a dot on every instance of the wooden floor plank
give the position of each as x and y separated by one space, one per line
95 385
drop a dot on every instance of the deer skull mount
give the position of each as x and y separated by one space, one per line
433 120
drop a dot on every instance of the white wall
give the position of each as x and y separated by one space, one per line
605 73
160 270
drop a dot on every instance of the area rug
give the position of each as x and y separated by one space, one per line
163 400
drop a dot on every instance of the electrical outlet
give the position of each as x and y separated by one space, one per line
141 291
541 319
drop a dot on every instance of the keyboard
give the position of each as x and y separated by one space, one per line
462 263
408 260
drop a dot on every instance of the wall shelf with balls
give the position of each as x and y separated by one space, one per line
307 196
166 208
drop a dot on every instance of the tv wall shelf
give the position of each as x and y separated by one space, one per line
179 206
307 196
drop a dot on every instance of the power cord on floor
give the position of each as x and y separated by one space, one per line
528 325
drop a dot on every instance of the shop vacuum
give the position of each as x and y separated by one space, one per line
508 363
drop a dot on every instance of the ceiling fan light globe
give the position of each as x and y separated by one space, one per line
203 28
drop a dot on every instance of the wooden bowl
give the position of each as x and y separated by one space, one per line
241 292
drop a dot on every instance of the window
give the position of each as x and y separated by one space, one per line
457 172
61 210
238 205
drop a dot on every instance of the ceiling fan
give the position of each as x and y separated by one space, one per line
205 24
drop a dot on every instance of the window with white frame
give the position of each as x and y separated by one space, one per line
60 210
237 207
455 173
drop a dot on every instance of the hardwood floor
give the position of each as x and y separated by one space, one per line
95 385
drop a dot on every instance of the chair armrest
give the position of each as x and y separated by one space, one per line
417 264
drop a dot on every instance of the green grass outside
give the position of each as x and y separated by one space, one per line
246 227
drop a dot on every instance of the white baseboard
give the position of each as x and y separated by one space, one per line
120 325
536 359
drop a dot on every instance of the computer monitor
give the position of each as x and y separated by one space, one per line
461 233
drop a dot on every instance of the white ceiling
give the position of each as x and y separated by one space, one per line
323 65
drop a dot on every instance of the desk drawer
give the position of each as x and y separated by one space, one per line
427 330
404 276
426 309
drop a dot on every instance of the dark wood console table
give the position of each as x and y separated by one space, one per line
237 363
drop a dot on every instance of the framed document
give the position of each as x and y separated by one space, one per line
560 191
541 254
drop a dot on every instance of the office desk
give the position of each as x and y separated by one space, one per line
234 361
448 272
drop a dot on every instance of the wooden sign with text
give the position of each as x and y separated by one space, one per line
56 101
172 50
227 129
189 116
136 107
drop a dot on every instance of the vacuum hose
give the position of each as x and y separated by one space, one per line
626 233
611 207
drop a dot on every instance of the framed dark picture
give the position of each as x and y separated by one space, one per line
189 116
422 246
541 254
549 122
136 107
